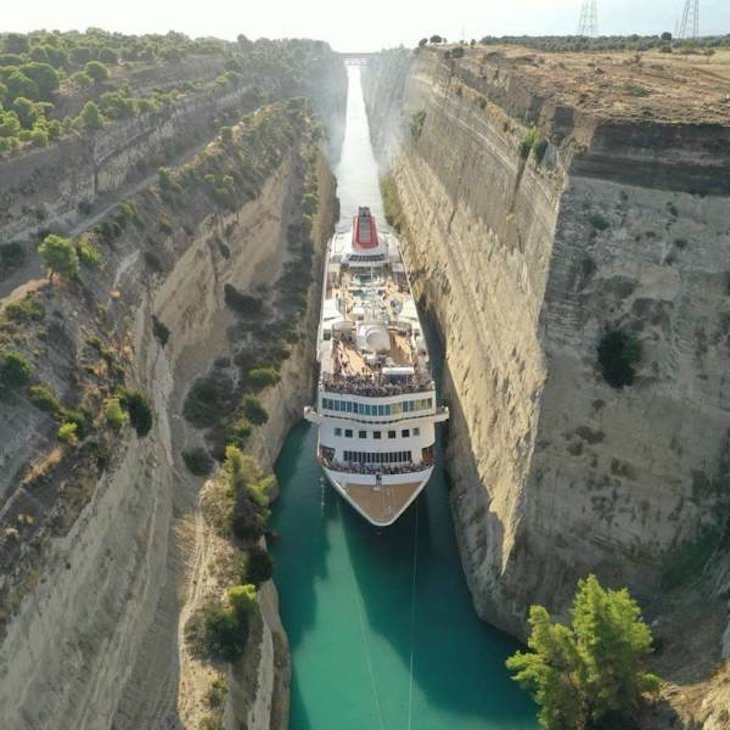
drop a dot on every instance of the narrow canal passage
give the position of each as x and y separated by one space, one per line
381 628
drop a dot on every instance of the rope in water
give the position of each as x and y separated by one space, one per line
413 619
361 617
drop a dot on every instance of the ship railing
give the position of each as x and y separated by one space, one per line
374 469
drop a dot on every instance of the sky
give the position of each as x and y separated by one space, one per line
365 26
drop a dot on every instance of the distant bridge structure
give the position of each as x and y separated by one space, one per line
357 59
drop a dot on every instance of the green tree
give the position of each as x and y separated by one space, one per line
21 85
243 599
16 43
10 59
82 80
140 413
44 76
15 370
9 124
79 55
108 56
593 669
59 255
98 71
91 116
26 110
115 415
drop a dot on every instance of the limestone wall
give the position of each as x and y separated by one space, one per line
97 639
524 265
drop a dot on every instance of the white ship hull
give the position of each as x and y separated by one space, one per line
376 402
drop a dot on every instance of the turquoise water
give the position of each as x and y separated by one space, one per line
381 627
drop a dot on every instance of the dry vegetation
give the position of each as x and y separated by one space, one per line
623 84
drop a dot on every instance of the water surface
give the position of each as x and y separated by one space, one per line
381 628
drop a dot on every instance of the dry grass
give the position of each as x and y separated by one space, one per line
43 465
621 84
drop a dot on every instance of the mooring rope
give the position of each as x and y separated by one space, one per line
413 619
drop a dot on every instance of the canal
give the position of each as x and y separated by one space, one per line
381 627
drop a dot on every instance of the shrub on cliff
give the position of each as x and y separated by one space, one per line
12 255
583 674
15 370
241 303
210 398
417 122
539 149
214 632
81 418
391 202
529 138
259 378
88 255
254 411
236 503
237 434
43 397
114 413
26 310
259 565
160 330
618 354
90 117
137 406
67 433
59 256
198 461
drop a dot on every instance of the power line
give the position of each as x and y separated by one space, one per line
588 21
690 24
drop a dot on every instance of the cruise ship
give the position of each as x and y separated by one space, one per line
376 401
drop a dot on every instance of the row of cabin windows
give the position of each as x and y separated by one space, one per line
405 433
367 409
377 457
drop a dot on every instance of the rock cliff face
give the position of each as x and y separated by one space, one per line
528 245
49 189
99 556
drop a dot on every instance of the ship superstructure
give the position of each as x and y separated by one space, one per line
376 401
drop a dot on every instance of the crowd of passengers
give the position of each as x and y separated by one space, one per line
371 386
355 467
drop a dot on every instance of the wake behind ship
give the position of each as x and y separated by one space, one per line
376 400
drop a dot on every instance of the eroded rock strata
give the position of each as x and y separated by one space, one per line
537 218
102 543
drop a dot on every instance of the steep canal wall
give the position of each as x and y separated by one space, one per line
104 554
534 226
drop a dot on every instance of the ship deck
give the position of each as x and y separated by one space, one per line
382 505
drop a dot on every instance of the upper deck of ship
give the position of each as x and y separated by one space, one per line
370 337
